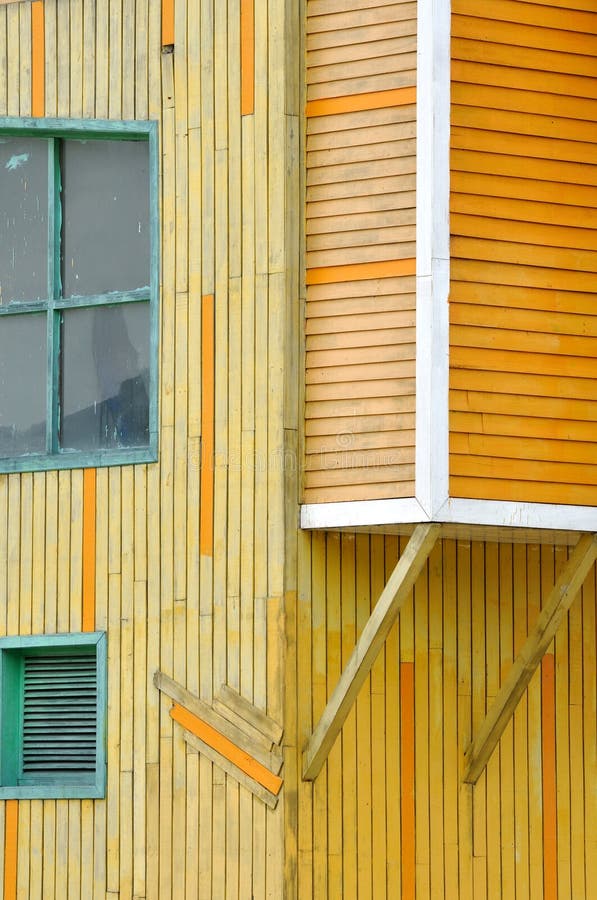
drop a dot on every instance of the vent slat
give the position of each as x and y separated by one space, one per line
59 714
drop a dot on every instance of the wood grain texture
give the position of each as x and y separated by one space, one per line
224 232
523 236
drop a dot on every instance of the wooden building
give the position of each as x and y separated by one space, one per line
298 443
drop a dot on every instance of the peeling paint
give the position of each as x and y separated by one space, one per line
15 162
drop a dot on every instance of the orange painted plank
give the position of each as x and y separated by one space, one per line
548 754
89 505
357 102
407 778
167 23
11 824
222 745
207 426
361 271
38 53
247 57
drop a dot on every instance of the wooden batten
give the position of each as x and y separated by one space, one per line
360 251
523 333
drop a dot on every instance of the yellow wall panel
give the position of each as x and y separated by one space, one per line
128 550
454 644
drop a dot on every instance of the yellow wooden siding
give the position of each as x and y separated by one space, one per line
173 825
523 334
360 250
457 636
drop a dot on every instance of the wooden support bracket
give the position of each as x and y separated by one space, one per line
566 588
368 646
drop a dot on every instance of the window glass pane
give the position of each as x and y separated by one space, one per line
105 215
22 384
105 377
23 219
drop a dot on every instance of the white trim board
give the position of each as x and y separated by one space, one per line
357 513
491 513
433 252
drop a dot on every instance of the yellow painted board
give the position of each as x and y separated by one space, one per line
335 19
363 723
587 600
349 731
422 735
319 60
329 77
362 187
367 34
377 491
392 733
333 671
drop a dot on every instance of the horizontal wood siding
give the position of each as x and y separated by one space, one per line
360 249
388 816
179 559
523 333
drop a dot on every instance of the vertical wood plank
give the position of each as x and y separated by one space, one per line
548 761
11 826
38 46
89 510
407 780
247 56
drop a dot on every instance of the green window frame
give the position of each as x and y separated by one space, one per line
53 716
56 307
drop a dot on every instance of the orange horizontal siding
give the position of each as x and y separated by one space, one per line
523 321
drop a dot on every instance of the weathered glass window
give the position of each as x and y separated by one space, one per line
78 291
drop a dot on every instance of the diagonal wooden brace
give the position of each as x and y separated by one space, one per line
566 588
368 646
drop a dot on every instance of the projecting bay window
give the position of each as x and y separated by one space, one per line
78 293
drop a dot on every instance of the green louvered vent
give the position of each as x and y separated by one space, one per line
59 715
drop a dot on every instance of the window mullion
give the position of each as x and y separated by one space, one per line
54 291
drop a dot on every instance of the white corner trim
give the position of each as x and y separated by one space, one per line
433 247
518 515
358 513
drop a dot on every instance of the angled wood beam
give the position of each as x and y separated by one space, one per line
368 646
560 598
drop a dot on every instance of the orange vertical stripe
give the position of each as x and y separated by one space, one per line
226 748
548 756
38 57
407 778
207 426
11 825
247 57
89 499
167 23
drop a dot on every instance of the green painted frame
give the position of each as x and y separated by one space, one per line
12 652
98 129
